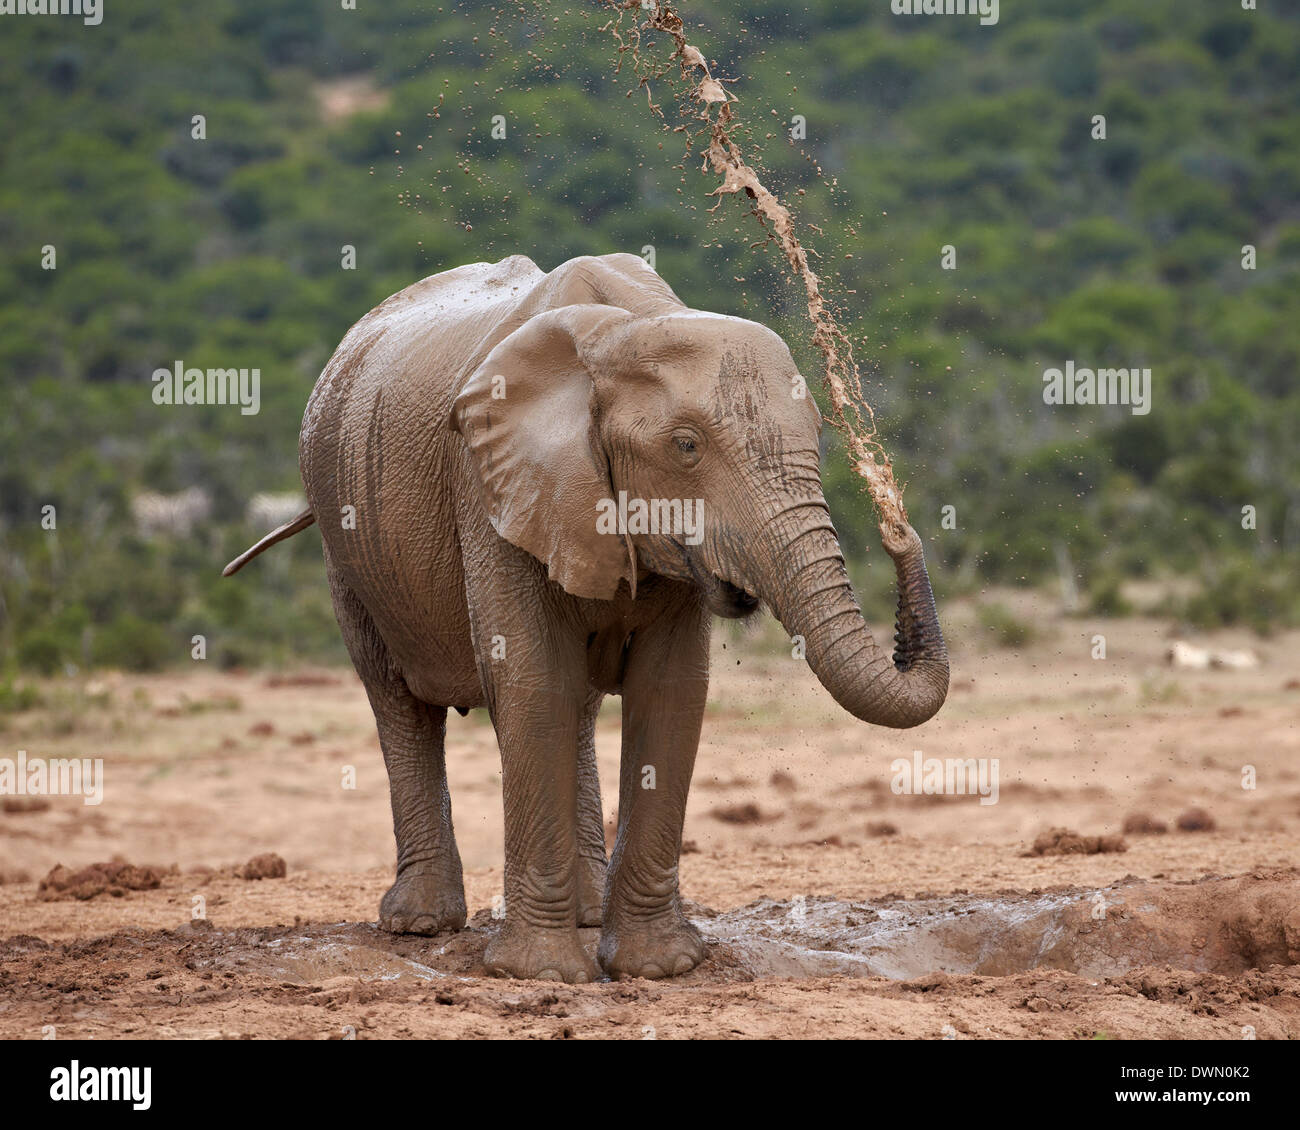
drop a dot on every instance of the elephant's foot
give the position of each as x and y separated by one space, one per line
650 947
591 890
423 902
537 954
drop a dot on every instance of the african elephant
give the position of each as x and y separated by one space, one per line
460 452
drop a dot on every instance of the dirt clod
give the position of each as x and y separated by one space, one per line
1196 820
20 804
267 866
1143 824
738 814
1063 841
115 879
783 781
302 679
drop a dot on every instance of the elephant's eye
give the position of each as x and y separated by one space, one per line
688 447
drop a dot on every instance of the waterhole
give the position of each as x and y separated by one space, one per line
1208 926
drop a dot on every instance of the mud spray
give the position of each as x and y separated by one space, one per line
707 121
709 127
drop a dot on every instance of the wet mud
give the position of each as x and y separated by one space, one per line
1215 925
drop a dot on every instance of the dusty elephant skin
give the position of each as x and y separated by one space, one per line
459 452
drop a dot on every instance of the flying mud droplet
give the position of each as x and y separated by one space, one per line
711 90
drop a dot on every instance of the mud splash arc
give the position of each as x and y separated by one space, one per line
709 126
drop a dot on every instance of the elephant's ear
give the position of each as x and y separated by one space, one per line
527 415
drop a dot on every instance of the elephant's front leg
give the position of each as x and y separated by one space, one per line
591 819
538 724
665 684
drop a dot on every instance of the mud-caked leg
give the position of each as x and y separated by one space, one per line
665 684
591 820
428 895
537 728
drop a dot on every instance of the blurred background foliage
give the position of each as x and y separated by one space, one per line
373 128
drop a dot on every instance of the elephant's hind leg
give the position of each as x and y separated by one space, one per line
428 895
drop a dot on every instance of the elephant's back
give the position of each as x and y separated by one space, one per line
431 329
401 362
378 468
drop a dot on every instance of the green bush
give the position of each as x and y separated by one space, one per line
1260 595
132 644
1003 627
41 651
1105 597
16 697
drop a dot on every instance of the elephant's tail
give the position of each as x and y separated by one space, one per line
300 523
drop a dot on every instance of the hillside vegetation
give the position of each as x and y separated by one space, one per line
373 129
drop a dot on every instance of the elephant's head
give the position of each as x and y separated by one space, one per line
702 426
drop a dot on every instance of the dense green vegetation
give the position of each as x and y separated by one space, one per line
935 131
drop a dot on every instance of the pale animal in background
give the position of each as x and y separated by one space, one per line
1183 654
175 514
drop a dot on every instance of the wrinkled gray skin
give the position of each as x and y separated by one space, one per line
474 421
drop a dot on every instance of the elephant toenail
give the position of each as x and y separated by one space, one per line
682 964
549 975
651 971
580 979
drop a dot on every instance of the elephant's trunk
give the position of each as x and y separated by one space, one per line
797 566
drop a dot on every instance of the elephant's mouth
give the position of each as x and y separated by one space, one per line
721 597
730 602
